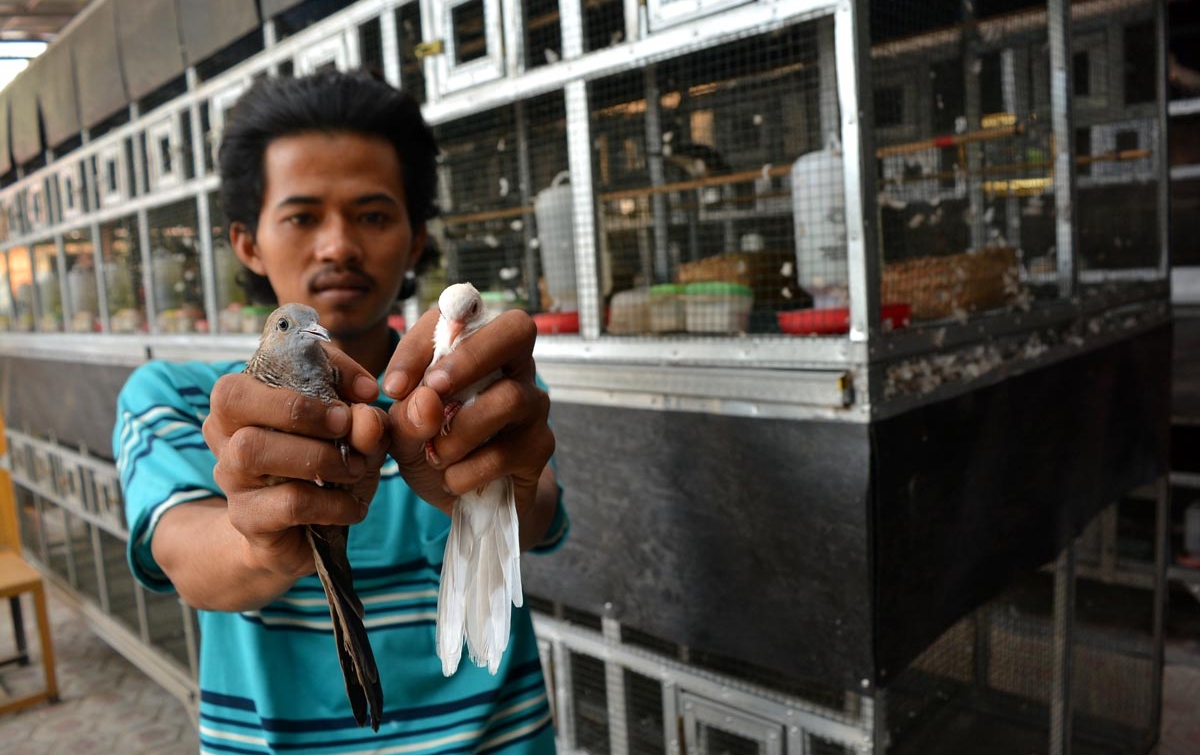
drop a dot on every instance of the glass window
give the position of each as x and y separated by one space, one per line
45 277
82 288
7 309
175 269
123 276
20 277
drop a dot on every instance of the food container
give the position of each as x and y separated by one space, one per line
630 312
666 308
717 307
552 323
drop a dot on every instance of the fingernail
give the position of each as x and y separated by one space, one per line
395 384
431 456
439 381
365 388
414 416
338 418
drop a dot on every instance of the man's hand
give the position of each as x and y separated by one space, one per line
503 432
272 444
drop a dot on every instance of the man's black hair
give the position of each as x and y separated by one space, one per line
325 102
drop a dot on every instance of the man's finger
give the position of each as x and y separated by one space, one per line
239 400
411 358
355 383
505 344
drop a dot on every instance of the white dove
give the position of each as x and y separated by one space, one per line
481 570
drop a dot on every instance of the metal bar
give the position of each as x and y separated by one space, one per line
151 297
143 618
208 276
389 43
564 698
101 575
579 161
853 53
614 688
1164 171
98 264
69 550
191 641
1061 650
972 107
18 623
663 267
1162 557
64 291
1058 14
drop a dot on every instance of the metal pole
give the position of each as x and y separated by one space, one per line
1162 526
1062 646
579 160
1160 156
1058 15
663 266
208 275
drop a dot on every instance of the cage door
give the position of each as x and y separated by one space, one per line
164 145
112 175
712 728
472 43
70 192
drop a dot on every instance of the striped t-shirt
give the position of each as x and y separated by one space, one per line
270 679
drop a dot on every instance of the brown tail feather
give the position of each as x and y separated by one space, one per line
354 648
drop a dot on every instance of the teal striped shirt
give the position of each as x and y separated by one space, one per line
269 679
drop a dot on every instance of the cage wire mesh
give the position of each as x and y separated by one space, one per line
695 168
496 170
408 29
987 683
175 275
603 24
123 285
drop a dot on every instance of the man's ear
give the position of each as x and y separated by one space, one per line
244 247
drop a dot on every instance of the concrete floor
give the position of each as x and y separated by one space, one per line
108 706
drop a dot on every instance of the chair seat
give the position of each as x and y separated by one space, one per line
16 578
16 575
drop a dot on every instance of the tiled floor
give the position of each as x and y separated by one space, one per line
108 706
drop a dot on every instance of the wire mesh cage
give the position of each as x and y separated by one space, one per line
175 274
497 170
82 287
695 169
46 286
123 286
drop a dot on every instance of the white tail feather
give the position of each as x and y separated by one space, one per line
481 576
451 619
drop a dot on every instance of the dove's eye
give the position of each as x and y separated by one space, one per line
284 324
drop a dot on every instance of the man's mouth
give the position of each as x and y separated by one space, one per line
340 284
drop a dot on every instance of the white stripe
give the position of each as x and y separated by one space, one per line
183 496
391 469
517 708
141 423
215 734
520 731
327 624
373 600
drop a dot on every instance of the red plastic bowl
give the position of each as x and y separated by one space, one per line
549 323
837 320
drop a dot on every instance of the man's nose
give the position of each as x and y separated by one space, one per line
338 243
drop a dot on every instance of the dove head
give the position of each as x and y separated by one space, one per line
293 329
462 313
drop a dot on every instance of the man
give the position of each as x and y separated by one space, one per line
327 182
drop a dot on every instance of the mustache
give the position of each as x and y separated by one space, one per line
332 276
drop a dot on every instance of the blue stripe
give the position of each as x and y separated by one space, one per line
298 726
398 608
149 444
316 630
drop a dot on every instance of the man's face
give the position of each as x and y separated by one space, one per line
333 230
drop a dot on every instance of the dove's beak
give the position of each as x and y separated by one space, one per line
455 329
317 332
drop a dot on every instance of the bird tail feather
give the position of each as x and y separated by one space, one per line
451 610
354 647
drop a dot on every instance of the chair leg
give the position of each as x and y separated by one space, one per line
43 620
22 656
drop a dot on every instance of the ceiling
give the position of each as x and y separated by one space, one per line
36 19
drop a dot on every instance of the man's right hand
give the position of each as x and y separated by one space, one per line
272 444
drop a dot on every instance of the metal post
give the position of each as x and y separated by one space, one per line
1058 15
529 253
564 700
973 112
1160 156
853 52
663 266
1062 647
389 43
208 275
579 160
614 692
1162 545
101 288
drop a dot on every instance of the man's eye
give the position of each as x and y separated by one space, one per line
375 218
302 218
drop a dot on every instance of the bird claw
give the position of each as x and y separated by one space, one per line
344 449
451 409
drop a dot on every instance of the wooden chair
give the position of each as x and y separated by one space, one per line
17 577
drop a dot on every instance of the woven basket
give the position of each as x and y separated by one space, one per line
938 287
767 272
